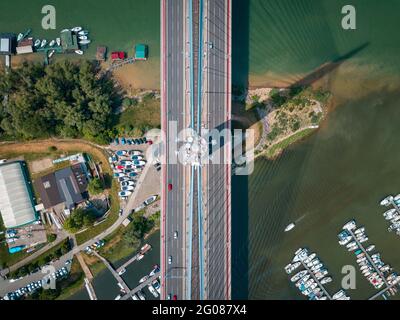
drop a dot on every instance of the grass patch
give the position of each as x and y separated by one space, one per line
112 217
275 149
73 283
134 121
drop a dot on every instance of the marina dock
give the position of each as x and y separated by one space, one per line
121 63
359 244
316 280
140 286
383 291
119 279
90 290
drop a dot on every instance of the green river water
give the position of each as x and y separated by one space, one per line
340 172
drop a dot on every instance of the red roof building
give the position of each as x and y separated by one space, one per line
119 55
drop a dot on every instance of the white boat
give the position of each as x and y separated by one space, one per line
359 230
298 275
80 52
326 280
345 240
152 290
43 43
76 29
150 200
338 294
123 270
350 225
389 214
385 202
310 258
83 37
37 43
351 244
58 41
52 43
143 279
51 53
64 30
290 227
83 33
370 248
20 36
141 295
84 42
140 257
135 297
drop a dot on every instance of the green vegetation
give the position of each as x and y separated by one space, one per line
64 99
111 218
134 122
126 240
79 219
51 237
50 255
95 187
129 102
274 150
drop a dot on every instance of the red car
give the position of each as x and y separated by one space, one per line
149 142
169 186
174 297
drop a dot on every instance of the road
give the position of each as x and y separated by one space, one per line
216 175
174 113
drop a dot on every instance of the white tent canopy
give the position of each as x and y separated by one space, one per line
15 204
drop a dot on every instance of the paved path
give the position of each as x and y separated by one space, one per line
140 287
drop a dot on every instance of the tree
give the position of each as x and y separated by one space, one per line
95 186
78 219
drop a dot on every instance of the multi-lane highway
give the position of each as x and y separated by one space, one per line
174 115
196 199
216 176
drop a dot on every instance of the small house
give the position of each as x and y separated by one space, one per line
25 46
118 55
69 41
101 53
141 52
7 43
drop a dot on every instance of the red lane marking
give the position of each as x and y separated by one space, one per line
228 177
163 24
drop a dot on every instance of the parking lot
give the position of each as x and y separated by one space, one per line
27 236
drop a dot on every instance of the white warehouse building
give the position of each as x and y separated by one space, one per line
16 205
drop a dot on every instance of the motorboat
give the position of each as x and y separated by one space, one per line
43 43
338 294
80 52
37 43
83 37
389 214
290 227
298 275
76 29
52 43
350 225
122 271
310 258
351 244
345 240
20 36
385 202
64 30
58 41
359 230
83 33
83 42
51 53
143 279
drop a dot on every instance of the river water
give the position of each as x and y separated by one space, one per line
105 285
340 172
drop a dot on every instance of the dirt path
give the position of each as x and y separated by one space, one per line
64 145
